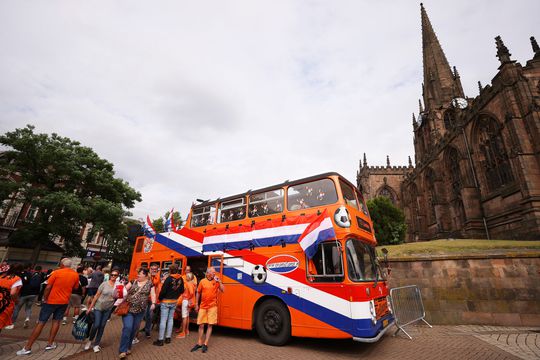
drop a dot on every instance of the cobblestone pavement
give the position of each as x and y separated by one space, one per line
440 342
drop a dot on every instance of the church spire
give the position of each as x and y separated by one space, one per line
502 51
441 84
535 47
365 160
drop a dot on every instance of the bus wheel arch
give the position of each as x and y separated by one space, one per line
272 320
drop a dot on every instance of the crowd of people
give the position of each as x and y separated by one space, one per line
158 298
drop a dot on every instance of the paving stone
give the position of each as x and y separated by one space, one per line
440 342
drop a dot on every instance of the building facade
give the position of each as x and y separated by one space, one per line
477 172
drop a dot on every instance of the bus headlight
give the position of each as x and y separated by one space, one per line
389 303
372 311
342 218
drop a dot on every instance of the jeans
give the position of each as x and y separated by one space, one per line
148 317
27 301
131 324
98 327
166 320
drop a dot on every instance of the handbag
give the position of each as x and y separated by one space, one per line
81 328
122 309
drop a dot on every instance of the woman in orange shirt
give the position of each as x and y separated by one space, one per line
10 285
187 302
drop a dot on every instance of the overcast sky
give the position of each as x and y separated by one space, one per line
205 99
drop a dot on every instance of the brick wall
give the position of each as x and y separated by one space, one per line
495 290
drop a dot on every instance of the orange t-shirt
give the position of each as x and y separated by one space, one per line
209 293
62 282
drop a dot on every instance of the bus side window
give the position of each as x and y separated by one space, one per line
144 265
139 246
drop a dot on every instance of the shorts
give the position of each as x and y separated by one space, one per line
56 310
75 300
91 291
185 308
207 316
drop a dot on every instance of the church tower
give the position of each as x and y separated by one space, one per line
441 87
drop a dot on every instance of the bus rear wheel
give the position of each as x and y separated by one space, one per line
273 323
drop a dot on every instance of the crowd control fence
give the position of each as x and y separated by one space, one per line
407 306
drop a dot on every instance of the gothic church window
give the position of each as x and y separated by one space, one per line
449 119
387 192
454 170
494 158
431 196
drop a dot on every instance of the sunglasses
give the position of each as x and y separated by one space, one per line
115 275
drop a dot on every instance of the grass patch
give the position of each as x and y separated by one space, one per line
457 247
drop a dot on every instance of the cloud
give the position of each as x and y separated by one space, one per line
209 99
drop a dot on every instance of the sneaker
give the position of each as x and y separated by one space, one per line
64 321
9 327
50 346
158 343
88 345
204 348
26 322
167 340
135 341
97 348
122 355
181 336
23 351
148 336
196 347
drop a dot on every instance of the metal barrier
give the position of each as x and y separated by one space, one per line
407 306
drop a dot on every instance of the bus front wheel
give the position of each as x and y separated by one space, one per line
273 323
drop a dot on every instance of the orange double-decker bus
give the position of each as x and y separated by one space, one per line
297 259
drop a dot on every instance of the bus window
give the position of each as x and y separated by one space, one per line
144 265
326 265
178 263
316 193
203 216
232 210
360 261
363 206
266 203
165 265
348 194
140 244
233 262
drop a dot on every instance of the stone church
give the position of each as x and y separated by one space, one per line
477 159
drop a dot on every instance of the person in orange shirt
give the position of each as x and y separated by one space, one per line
55 301
186 301
207 292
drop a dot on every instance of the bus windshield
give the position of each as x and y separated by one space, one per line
360 261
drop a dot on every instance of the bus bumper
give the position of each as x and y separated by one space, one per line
376 338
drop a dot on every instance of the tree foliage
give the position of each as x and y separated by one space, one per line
159 223
69 184
388 221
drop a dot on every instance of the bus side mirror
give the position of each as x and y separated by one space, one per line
385 252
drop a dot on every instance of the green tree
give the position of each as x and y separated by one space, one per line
388 221
159 223
69 184
118 246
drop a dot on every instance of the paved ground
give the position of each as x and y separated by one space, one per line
440 342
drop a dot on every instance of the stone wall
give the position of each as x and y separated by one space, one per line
502 289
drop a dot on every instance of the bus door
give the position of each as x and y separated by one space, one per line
198 266
229 302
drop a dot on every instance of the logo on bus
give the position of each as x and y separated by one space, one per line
282 264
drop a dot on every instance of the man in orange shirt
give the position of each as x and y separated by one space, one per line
207 291
55 301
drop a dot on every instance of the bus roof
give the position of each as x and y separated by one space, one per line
272 187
